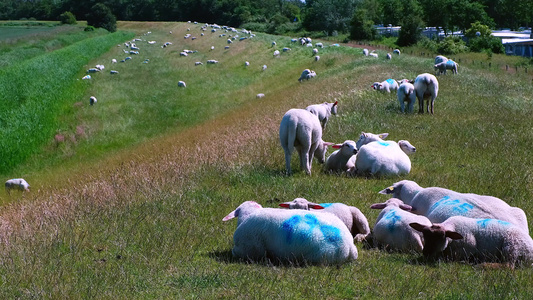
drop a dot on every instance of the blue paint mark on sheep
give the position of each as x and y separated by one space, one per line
392 218
289 225
383 143
450 62
331 234
484 223
458 207
311 220
390 81
463 209
324 205
301 228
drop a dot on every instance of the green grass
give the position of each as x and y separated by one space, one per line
142 219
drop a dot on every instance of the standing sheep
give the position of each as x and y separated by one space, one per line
301 129
389 56
17 184
290 235
384 158
351 216
406 93
338 160
365 52
386 86
92 100
181 84
440 58
441 68
307 74
317 58
323 111
264 67
426 86
478 240
396 51
439 204
392 230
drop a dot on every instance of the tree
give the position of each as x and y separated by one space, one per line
362 28
67 18
101 16
412 23
329 15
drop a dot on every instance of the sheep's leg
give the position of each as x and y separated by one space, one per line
288 162
304 161
402 105
432 103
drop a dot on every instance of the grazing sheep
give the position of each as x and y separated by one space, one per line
273 44
264 67
113 72
181 84
301 129
447 65
373 54
276 53
385 86
319 45
92 100
114 61
259 96
440 58
230 41
477 240
426 86
17 184
383 158
323 111
365 52
406 92
317 58
286 49
307 74
198 63
93 70
338 160
183 54
351 216
246 63
315 51
389 56
367 137
290 235
439 204
212 61
392 230
396 51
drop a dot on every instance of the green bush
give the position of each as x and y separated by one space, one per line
89 28
67 18
256 26
486 43
451 45
101 16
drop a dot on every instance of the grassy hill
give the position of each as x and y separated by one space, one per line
133 207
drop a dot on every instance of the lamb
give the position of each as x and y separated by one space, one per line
307 74
440 58
92 100
396 51
383 158
301 129
478 240
386 86
351 216
323 111
426 86
290 235
365 52
439 204
406 92
338 160
276 53
17 184
392 230
389 56
447 65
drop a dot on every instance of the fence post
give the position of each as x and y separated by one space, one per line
506 67
490 64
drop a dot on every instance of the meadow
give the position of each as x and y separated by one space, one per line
132 207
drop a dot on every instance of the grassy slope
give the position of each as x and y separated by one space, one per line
146 223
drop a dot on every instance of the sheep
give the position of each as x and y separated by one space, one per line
323 111
273 44
338 160
367 137
365 52
113 72
406 92
386 86
212 61
230 41
301 129
426 86
315 51
286 49
259 96
92 100
447 65
17 184
86 77
351 216
383 158
212 47
396 51
307 74
198 63
264 67
290 235
246 63
477 240
319 45
392 230
114 61
373 54
93 70
440 58
183 54
389 56
439 204
294 40
181 84
276 53
226 47
317 58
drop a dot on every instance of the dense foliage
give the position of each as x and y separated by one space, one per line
67 18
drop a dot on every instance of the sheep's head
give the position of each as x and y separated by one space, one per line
435 238
301 203
242 211
320 152
406 147
366 138
348 148
392 202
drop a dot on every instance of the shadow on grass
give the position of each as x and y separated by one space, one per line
227 257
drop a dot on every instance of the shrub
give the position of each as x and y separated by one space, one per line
89 28
101 16
362 27
67 18
452 45
486 43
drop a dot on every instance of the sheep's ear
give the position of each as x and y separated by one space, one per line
337 146
418 226
383 135
328 144
315 206
387 191
453 235
378 206
336 102
411 81
286 205
230 216
406 207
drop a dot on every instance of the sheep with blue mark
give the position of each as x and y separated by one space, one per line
307 74
323 111
477 240
385 86
441 68
301 129
338 160
367 137
438 204
440 58
406 93
426 86
290 235
392 230
383 158
351 216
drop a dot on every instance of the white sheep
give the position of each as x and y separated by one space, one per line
386 86
286 49
307 74
113 72
367 137
114 61
439 204
273 44
478 240
319 45
17 184
93 70
264 67
441 68
389 56
392 230
338 160
406 93
365 52
323 111
276 53
92 100
315 51
351 216
212 61
383 158
198 63
290 235
230 41
86 77
181 84
301 129
396 51
246 63
259 96
426 86
373 54
317 58
440 58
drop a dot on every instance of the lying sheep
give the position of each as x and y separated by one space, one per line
383 158
113 72
426 86
17 184
286 49
323 111
307 74
396 51
441 68
365 52
351 216
439 204
212 61
93 70
392 230
373 54
338 160
367 137
478 240
92 100
406 93
181 84
301 129
259 96
264 67
440 58
276 53
385 86
246 64
198 63
290 235
319 45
